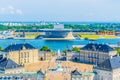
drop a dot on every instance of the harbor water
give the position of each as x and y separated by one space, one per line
56 44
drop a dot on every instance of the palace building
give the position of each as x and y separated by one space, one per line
94 53
22 53
108 70
104 59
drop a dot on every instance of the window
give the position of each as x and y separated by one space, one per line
28 54
25 54
24 60
21 63
21 55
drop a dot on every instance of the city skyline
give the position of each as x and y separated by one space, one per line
60 10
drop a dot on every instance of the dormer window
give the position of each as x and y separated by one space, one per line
93 47
23 47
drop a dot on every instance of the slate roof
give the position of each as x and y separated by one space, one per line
75 72
7 64
1 56
40 72
97 47
17 47
110 64
69 50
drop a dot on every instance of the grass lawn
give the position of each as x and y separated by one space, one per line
94 36
30 36
118 50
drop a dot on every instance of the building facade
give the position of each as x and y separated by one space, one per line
76 75
105 33
96 53
21 76
45 55
72 56
22 53
108 70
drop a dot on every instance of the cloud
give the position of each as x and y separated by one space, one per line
2 9
11 7
18 11
11 10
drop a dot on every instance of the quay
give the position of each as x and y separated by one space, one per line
111 45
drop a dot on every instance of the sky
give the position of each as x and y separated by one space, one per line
60 10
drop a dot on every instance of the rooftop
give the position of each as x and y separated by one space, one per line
75 72
41 72
7 64
98 47
59 75
17 47
110 64
46 65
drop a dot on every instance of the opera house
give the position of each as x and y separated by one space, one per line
59 33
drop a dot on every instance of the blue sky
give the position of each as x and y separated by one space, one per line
60 10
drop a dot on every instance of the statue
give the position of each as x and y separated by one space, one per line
58 53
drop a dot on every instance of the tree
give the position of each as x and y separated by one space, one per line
45 48
118 50
1 48
76 49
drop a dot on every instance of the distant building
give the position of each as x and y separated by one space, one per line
94 53
106 33
108 70
76 75
22 53
59 26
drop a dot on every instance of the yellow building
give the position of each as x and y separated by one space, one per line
95 54
45 55
22 53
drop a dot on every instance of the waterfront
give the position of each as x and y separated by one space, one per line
55 45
